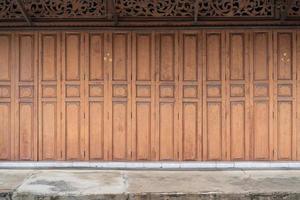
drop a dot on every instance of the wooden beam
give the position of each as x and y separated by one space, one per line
114 12
111 12
21 6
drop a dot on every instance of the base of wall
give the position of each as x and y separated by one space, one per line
222 165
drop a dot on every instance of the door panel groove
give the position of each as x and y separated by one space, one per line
178 95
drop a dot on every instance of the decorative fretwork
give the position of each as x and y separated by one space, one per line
65 8
206 8
155 8
117 10
9 10
294 10
233 8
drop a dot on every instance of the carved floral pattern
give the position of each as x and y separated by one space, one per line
295 8
54 8
232 8
146 8
206 8
65 8
154 8
9 9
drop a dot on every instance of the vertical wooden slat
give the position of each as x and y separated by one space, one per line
7 96
214 140
95 93
73 95
49 95
298 94
190 86
237 95
108 114
143 94
285 95
119 60
26 93
261 95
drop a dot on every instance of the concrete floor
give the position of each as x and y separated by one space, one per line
104 184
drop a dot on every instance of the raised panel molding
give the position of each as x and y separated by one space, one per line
173 95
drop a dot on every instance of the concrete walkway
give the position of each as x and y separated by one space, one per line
104 184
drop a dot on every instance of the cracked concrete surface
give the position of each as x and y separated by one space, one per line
118 184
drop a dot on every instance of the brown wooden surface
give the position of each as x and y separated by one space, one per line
150 95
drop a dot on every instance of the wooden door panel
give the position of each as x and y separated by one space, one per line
190 93
95 94
297 144
261 94
73 96
26 105
143 96
214 95
237 96
119 62
167 94
50 139
285 90
149 95
6 98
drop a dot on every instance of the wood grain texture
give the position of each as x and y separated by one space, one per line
185 95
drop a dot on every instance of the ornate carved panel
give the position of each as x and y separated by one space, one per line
115 12
294 9
154 8
186 8
9 9
65 8
234 8
54 8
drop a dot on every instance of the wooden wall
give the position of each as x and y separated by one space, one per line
150 95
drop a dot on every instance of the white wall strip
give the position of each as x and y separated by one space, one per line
154 165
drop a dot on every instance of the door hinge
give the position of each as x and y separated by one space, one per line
84 153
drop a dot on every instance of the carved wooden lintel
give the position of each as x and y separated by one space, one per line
150 11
